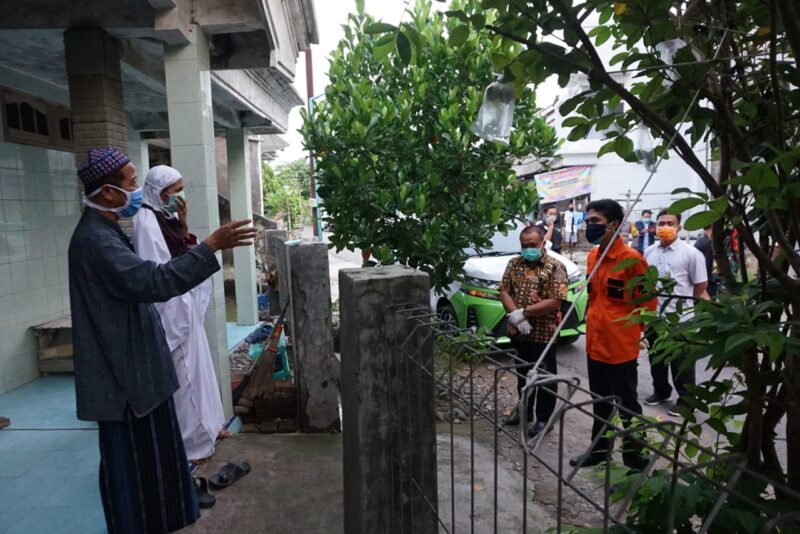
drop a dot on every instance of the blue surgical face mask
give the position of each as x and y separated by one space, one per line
531 254
132 204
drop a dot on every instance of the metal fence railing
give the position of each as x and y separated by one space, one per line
457 468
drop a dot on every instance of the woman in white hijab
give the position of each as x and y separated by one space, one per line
160 233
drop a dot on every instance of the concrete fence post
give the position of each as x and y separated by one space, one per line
304 276
272 239
388 403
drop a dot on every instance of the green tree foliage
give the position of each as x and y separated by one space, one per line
296 173
283 197
400 173
733 82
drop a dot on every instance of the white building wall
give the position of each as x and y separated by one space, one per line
39 208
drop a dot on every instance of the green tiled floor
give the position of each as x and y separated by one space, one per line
48 462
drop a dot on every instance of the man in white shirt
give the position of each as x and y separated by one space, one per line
685 265
570 228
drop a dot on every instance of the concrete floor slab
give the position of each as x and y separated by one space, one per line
295 485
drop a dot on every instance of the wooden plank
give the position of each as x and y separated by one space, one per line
57 351
57 324
60 365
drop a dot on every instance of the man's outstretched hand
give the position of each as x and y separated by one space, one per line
234 234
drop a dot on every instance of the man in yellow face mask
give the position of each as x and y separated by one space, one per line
686 266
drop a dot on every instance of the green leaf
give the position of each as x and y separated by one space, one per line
624 264
684 204
460 15
500 61
379 27
459 36
623 147
404 48
413 35
700 220
573 121
606 149
478 21
737 343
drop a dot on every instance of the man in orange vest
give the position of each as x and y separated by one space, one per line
612 343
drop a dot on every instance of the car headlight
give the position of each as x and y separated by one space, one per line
575 277
479 282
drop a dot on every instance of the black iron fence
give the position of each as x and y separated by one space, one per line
457 468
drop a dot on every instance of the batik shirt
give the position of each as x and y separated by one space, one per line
528 284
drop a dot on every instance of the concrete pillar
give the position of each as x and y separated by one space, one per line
191 130
274 238
244 259
388 403
304 275
95 90
256 177
139 153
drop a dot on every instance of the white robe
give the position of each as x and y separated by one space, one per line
197 403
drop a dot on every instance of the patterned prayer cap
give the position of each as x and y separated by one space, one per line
99 163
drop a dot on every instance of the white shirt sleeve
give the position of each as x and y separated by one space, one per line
697 266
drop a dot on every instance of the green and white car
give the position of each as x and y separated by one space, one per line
474 301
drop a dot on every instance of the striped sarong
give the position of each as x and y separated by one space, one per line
145 481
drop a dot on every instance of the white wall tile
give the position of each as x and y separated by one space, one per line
6 287
36 273
10 184
20 370
39 305
9 155
23 308
7 311
5 255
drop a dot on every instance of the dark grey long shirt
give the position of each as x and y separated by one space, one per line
121 354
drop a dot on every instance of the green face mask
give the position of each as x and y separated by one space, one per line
173 205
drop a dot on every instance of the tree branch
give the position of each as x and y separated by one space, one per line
653 119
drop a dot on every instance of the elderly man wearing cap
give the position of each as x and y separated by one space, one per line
124 374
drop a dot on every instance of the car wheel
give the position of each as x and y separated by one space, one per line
447 314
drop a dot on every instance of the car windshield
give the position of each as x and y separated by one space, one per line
502 245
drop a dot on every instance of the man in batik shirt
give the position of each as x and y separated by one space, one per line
532 290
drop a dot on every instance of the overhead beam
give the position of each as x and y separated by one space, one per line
228 16
237 51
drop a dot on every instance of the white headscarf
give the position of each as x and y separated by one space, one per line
159 178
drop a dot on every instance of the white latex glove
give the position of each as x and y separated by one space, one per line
516 317
524 327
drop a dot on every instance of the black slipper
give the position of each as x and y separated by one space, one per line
228 474
204 498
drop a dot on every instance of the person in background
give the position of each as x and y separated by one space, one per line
570 228
124 375
612 343
646 229
532 290
160 233
686 266
703 244
552 227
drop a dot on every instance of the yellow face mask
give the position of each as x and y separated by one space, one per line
666 233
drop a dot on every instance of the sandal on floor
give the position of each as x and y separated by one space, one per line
228 474
4 422
204 498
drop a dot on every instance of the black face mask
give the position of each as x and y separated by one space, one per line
595 232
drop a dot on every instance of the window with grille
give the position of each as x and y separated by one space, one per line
32 121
